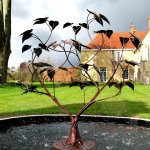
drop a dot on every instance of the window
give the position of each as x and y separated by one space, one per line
116 55
103 74
125 73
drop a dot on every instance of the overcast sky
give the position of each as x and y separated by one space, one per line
119 13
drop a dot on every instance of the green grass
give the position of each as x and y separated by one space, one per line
130 103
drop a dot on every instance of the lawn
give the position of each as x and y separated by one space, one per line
130 103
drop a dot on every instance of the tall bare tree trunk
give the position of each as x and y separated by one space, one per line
5 37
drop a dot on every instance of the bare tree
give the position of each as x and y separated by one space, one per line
5 36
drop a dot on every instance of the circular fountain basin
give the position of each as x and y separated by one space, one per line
40 132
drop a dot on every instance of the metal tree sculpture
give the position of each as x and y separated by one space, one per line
74 139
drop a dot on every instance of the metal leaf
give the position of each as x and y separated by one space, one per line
67 24
38 51
109 33
130 84
100 31
133 63
77 45
123 40
43 70
104 18
135 40
84 25
82 85
97 17
118 85
25 48
53 24
43 46
51 73
112 84
40 20
76 29
62 68
84 66
41 64
26 35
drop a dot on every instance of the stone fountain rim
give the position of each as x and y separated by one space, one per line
48 118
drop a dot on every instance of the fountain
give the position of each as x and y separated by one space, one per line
69 47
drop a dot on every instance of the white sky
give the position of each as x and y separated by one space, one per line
119 12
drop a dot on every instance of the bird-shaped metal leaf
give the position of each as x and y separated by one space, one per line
85 25
108 33
80 84
40 20
118 85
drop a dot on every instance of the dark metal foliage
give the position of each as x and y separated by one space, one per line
124 40
43 46
25 48
63 68
135 40
108 33
38 51
133 63
99 17
26 35
82 84
40 20
84 66
76 29
51 73
84 25
120 85
67 24
42 64
78 45
27 88
53 24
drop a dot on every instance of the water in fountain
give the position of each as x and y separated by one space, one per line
108 136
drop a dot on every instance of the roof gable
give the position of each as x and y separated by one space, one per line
104 42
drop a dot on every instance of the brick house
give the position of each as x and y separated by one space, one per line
66 75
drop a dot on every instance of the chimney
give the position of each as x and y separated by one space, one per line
149 23
132 26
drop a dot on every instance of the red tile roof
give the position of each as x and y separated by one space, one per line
114 41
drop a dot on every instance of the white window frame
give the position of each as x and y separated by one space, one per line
103 74
125 74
